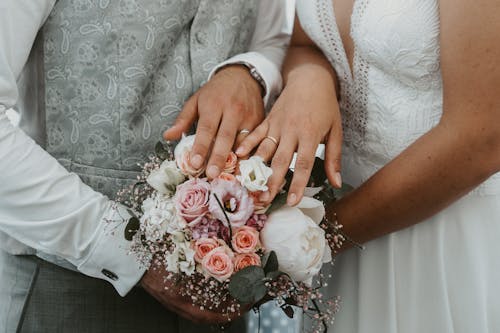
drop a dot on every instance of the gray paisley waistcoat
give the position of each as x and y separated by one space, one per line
117 73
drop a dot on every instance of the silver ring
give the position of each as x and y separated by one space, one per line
273 139
245 131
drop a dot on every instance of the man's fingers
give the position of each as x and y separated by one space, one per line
205 135
184 120
333 155
222 147
302 171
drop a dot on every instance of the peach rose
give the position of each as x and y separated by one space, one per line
246 259
245 240
218 263
231 162
203 246
227 176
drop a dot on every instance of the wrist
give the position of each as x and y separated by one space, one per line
248 72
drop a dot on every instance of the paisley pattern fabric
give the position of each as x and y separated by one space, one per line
118 73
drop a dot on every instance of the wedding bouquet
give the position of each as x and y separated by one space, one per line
223 247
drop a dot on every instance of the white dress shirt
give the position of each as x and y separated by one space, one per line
45 208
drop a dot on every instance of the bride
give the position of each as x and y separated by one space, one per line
416 83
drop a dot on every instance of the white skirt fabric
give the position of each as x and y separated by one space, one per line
439 276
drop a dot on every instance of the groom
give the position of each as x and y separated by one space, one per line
96 83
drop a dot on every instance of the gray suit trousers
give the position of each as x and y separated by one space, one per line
40 297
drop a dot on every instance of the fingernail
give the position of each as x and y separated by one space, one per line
197 161
240 151
292 199
212 171
338 179
264 197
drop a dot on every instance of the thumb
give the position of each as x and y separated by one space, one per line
184 120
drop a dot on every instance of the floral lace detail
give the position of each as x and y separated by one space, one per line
394 94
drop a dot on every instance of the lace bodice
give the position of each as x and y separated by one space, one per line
394 94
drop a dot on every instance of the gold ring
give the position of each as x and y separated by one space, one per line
273 139
244 131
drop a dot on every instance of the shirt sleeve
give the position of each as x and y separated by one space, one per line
43 205
269 44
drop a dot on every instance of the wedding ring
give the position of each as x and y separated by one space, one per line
244 131
273 139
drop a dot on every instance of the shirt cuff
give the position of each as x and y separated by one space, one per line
266 69
111 259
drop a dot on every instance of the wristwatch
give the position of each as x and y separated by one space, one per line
253 72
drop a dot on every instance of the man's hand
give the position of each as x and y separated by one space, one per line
154 283
227 104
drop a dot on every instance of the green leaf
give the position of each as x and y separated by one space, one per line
132 227
339 193
278 202
318 173
160 151
271 263
247 285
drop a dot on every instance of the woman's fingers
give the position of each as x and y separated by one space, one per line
333 154
252 140
280 164
302 170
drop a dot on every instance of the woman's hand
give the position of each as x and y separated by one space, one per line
306 114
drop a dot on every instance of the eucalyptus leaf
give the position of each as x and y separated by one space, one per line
132 227
248 285
275 274
271 263
339 193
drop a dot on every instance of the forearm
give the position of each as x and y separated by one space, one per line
306 61
433 172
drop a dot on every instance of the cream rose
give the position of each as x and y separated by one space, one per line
254 174
300 244
166 178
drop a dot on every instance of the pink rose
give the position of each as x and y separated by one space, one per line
231 162
246 259
237 205
203 246
245 240
191 200
218 263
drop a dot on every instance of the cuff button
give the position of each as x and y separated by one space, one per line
110 275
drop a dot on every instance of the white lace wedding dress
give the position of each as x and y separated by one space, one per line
442 275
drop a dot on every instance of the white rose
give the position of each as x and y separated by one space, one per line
166 178
254 174
300 244
182 152
159 216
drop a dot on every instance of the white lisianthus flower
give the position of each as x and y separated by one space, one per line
300 244
166 178
182 152
159 216
254 174
181 259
